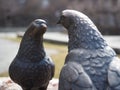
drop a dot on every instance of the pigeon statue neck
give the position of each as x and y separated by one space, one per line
84 34
32 47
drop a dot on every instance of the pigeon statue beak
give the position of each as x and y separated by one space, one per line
39 26
43 27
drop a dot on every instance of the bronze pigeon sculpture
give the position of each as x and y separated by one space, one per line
91 64
32 68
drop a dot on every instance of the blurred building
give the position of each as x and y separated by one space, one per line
104 13
22 12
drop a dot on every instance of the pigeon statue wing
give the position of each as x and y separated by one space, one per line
114 74
73 77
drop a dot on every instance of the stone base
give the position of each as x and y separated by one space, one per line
7 84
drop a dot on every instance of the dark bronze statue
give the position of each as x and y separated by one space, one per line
32 68
90 64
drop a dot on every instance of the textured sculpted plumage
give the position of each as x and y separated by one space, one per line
32 68
90 64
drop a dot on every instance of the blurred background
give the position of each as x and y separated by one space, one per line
19 13
16 15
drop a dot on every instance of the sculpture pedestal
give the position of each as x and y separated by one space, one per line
7 84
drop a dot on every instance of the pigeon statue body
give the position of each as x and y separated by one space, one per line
90 64
32 68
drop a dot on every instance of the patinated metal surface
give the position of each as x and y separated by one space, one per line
90 64
32 68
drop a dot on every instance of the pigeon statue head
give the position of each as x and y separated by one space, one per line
37 28
82 31
33 38
73 18
66 19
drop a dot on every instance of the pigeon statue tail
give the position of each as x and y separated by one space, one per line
32 68
91 64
